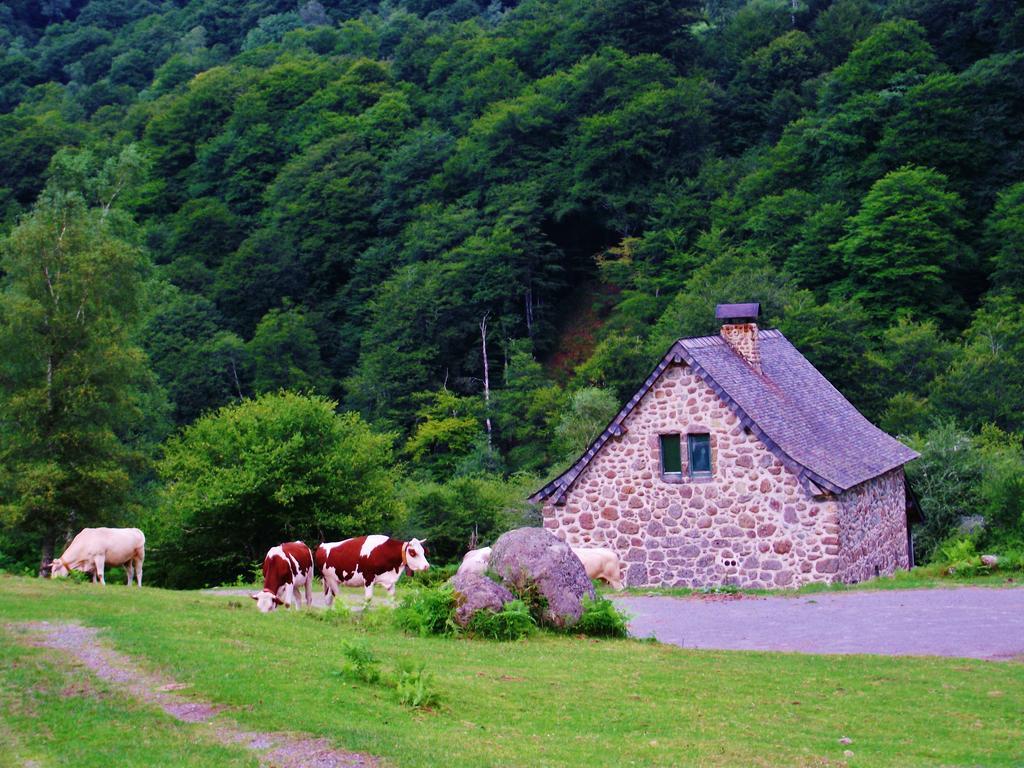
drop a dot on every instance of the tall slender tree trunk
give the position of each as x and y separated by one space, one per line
46 554
487 378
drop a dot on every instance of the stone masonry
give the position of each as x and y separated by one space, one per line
751 524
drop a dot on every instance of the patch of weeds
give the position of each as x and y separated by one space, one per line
375 619
601 619
720 589
410 680
360 663
254 575
512 622
429 611
415 686
339 613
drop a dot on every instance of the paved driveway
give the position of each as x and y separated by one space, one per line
969 621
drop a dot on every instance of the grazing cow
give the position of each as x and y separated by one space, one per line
476 561
601 563
286 568
95 548
367 560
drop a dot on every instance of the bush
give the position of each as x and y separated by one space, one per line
287 465
601 619
428 611
960 557
512 622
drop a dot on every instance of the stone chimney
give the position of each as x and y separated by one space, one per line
739 330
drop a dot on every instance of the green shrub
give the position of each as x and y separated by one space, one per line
435 575
512 622
960 557
415 687
601 619
428 611
360 663
531 596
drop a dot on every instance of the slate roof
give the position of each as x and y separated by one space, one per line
789 406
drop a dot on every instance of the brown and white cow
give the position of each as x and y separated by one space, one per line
367 560
95 548
286 568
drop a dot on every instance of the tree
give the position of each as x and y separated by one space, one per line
590 409
985 381
895 51
200 365
447 429
73 381
465 512
903 247
1004 241
279 467
285 354
945 480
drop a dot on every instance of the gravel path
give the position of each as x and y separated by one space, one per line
273 749
968 621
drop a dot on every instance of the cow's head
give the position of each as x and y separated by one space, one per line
266 601
415 555
58 570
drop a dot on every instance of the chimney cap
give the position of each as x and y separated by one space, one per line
743 313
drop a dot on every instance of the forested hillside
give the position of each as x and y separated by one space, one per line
479 225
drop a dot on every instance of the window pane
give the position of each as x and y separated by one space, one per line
671 455
700 454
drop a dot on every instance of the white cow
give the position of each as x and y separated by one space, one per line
601 563
95 548
476 561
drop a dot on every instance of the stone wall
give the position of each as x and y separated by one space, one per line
873 528
751 524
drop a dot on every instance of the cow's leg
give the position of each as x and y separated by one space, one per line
368 591
138 570
128 571
100 561
289 595
330 590
309 590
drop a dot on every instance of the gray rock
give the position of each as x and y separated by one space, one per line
473 593
534 558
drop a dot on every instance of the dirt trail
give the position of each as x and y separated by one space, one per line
274 749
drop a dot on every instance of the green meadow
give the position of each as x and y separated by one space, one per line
546 701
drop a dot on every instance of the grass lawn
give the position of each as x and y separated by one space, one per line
547 701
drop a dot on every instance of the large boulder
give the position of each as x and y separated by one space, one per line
473 593
533 559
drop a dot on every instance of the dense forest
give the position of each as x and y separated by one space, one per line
275 268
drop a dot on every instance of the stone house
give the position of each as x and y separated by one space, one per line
737 462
